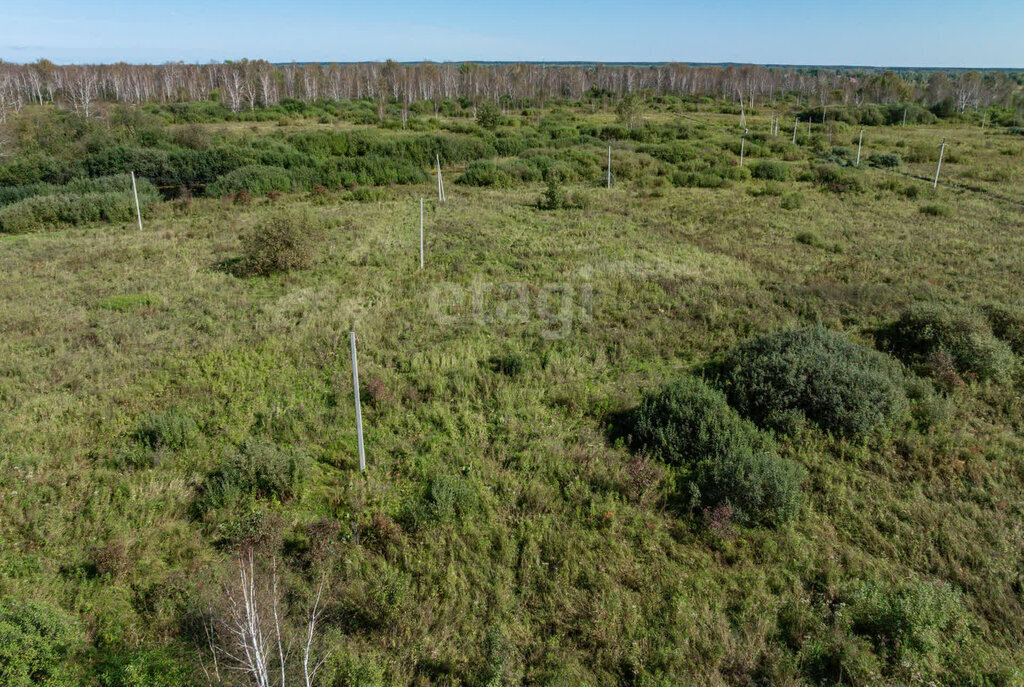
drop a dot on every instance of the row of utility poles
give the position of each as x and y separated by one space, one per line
773 128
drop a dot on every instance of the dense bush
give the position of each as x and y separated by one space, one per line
484 173
887 160
926 329
792 201
448 497
257 180
697 179
35 643
557 198
521 170
171 429
837 179
119 183
844 387
722 458
768 169
488 115
935 210
367 195
735 173
50 211
1007 325
257 470
284 240
906 621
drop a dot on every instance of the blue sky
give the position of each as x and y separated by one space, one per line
978 33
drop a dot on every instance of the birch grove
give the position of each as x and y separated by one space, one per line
248 84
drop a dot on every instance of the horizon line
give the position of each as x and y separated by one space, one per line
553 63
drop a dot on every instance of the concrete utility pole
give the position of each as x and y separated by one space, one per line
359 412
440 183
859 142
942 149
135 192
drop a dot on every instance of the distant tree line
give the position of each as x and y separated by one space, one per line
251 84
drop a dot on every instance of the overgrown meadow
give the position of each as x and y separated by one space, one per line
713 425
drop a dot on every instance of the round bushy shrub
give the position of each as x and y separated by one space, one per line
258 470
887 160
284 240
768 169
842 386
926 329
910 619
36 641
521 170
1007 325
792 201
484 173
697 179
721 458
837 179
735 173
171 429
256 179
488 115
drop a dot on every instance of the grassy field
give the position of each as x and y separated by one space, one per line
502 533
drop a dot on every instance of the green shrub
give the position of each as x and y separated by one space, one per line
558 172
697 179
925 329
367 195
770 188
118 183
484 173
837 179
884 160
36 642
844 387
792 201
557 198
144 668
768 169
172 429
912 619
53 210
810 238
521 170
722 458
258 470
488 115
935 210
284 240
1007 325
352 670
736 173
256 179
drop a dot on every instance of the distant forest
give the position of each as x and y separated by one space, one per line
247 85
